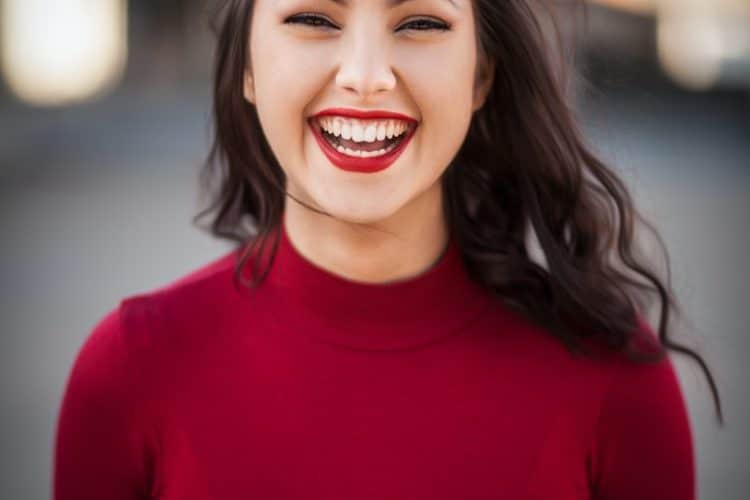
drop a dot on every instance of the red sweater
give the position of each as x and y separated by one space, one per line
316 387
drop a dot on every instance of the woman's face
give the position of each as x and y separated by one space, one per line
384 55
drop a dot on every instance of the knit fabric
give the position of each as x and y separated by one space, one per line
317 387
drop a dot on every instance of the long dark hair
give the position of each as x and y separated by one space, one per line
524 168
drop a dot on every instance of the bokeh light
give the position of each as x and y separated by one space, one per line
61 51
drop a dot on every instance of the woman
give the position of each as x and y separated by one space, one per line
382 329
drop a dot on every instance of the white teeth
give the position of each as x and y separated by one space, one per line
364 154
362 131
371 132
389 131
346 130
357 133
381 131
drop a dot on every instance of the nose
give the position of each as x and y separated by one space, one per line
365 67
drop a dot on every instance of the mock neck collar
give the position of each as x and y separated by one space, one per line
439 302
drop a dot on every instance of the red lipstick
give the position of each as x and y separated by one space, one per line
354 163
364 114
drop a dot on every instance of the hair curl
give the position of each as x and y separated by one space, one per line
523 168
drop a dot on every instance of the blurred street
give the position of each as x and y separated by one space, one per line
96 200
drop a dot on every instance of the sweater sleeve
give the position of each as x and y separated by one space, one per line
100 448
643 445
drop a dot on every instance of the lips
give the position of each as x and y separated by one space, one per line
359 164
365 114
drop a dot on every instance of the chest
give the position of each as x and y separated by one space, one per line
428 429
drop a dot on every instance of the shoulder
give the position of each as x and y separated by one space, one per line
141 324
636 431
201 281
133 360
639 395
643 426
201 296
634 384
618 395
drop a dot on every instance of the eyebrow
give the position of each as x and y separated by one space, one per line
392 3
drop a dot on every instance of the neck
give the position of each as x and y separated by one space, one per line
400 247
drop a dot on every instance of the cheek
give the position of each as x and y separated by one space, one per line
441 83
284 58
437 76
288 77
282 63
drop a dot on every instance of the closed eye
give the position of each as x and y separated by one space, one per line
314 20
431 25
309 20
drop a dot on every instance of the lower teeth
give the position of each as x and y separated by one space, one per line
365 154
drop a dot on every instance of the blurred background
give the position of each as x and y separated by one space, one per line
105 120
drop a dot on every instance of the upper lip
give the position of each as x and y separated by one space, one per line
364 114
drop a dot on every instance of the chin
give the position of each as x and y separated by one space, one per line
359 212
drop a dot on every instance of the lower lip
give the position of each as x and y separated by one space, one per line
356 164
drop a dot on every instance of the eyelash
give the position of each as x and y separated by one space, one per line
435 25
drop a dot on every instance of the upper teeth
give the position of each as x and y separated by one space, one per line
363 130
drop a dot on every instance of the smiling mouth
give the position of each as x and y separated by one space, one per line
358 149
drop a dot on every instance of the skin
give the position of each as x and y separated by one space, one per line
369 59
